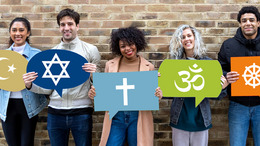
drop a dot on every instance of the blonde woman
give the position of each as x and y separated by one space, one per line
190 124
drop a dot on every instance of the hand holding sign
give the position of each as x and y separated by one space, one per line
248 72
125 91
58 69
13 66
190 78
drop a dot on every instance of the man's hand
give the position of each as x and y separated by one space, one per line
28 78
89 67
232 77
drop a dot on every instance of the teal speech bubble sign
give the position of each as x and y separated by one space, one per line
190 78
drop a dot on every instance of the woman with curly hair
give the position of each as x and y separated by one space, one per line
190 124
134 126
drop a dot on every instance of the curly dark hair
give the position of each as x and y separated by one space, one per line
131 35
27 25
68 12
248 9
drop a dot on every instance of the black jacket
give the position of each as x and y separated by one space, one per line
239 46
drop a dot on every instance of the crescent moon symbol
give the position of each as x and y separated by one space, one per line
3 58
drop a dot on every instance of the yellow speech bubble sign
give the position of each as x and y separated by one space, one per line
13 66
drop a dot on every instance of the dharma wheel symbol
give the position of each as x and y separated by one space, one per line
252 75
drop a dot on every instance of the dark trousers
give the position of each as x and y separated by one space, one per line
59 127
19 130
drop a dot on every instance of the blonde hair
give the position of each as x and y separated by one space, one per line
176 49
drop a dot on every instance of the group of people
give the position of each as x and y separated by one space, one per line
73 112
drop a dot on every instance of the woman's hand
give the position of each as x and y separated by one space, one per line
28 78
92 92
224 82
158 93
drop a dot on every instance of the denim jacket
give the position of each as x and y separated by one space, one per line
34 103
177 104
176 108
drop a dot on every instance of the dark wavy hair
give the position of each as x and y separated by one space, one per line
248 9
68 12
131 35
27 25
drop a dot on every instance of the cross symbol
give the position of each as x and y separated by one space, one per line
125 87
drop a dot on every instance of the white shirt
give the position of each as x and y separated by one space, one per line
18 94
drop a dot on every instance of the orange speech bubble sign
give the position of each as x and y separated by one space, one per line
248 69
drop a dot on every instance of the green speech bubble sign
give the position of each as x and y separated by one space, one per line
190 78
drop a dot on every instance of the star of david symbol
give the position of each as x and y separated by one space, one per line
63 73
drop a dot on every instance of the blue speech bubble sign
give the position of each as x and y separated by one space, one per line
125 91
58 69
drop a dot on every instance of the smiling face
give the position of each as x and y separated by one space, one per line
68 28
19 33
188 40
249 25
128 51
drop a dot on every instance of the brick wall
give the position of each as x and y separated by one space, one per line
216 20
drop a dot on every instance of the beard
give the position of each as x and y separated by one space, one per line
250 33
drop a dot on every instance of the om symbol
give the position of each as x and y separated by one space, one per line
194 79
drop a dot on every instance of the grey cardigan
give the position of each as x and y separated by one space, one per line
76 97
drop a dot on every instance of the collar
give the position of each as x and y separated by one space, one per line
73 42
241 38
144 64
26 52
190 58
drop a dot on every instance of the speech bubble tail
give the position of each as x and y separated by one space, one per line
112 114
59 91
198 100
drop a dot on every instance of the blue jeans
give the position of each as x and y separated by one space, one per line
124 124
59 127
240 117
